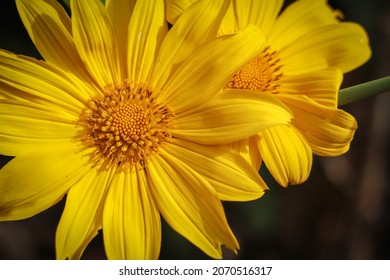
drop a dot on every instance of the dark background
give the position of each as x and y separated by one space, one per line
341 212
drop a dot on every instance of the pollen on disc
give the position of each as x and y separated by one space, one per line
126 124
262 73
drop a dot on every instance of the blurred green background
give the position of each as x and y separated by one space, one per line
341 212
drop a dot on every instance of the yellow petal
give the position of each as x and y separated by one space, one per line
131 221
174 9
210 68
343 45
95 40
32 183
259 13
329 131
26 127
82 216
286 154
298 19
50 29
229 24
189 204
198 25
39 82
231 116
120 12
146 31
321 86
228 173
248 149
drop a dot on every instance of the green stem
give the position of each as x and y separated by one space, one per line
355 93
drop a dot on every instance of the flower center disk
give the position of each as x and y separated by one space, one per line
262 73
126 125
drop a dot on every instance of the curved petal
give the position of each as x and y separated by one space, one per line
248 149
229 24
286 154
210 68
26 127
343 45
228 173
50 29
174 9
230 116
82 216
95 40
33 182
120 12
329 131
259 13
198 25
298 19
131 221
39 82
189 204
321 86
146 31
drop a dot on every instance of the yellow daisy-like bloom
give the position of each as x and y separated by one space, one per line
121 116
307 50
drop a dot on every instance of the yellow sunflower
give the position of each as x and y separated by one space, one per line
124 118
307 50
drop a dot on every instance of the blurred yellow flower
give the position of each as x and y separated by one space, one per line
121 116
307 50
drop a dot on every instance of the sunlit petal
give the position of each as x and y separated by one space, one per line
50 29
25 196
286 154
131 222
148 18
228 173
329 131
198 25
177 190
81 218
95 40
231 116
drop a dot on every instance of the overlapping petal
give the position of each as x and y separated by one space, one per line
23 196
210 68
228 173
81 218
120 12
95 40
131 221
175 8
26 127
148 18
321 86
329 131
298 19
286 154
263 14
260 13
189 204
198 25
343 45
229 117
39 82
50 29
248 149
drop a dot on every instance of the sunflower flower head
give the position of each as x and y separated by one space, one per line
307 51
124 118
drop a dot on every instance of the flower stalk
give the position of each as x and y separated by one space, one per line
365 90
